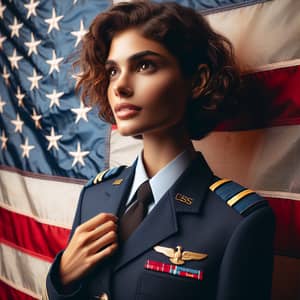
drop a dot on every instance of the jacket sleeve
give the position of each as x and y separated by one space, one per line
53 288
247 265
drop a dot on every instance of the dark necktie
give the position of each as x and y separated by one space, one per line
137 211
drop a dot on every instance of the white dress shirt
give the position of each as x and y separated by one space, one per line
162 181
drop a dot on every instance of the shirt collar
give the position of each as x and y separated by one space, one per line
162 181
140 176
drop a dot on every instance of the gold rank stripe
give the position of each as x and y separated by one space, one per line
99 177
239 196
218 183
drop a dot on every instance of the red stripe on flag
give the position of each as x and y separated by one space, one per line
287 237
8 292
31 236
272 99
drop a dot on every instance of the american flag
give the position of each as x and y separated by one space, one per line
50 144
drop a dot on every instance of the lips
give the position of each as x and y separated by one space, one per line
126 110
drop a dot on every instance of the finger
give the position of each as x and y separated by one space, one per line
83 238
101 230
106 252
103 242
96 221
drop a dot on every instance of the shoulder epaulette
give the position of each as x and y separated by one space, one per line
243 200
103 175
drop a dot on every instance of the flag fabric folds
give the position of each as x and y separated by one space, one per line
50 144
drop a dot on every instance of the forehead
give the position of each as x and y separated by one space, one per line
129 42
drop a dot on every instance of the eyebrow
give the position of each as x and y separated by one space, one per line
136 56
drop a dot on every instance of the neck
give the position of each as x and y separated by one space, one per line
160 149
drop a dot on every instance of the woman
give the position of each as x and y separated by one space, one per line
160 73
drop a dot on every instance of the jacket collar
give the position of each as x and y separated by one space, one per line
190 189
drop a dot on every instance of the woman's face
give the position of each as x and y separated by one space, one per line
147 92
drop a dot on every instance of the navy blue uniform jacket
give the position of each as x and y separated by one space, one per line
238 240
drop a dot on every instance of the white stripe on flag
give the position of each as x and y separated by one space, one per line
279 195
263 159
275 66
49 202
262 34
123 150
23 272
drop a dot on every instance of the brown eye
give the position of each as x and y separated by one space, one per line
145 66
111 72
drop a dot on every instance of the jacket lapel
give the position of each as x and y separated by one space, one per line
185 196
158 225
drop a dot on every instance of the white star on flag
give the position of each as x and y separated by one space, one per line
32 45
36 118
18 123
14 60
15 27
54 97
2 103
5 75
81 112
31 6
80 33
20 97
2 9
26 148
2 39
53 139
54 62
34 80
4 140
75 1
53 21
78 155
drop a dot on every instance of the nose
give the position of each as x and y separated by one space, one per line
122 87
123 91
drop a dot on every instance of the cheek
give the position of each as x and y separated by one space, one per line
109 95
162 90
110 98
171 97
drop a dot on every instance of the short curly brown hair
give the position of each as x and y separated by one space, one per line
186 35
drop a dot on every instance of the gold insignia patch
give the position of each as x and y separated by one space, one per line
118 181
178 257
184 199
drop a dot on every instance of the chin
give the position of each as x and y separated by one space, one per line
126 131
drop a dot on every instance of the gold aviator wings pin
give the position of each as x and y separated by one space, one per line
177 256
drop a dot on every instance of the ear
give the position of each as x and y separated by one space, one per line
200 80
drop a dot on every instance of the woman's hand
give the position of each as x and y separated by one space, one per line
92 241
